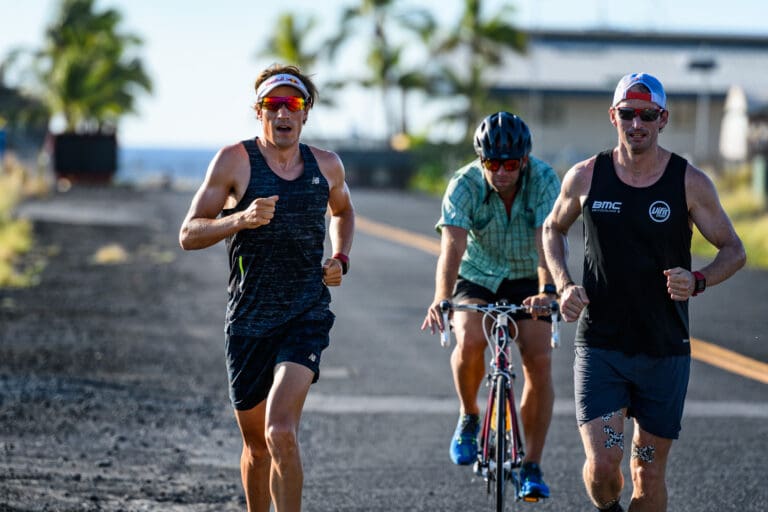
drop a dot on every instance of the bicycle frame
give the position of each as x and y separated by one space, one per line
500 380
501 449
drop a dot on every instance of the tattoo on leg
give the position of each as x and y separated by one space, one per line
643 453
614 438
607 417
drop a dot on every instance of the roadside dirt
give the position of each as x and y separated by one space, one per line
112 380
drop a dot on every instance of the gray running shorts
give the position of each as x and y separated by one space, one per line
652 389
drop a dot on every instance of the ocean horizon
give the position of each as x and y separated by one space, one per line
150 165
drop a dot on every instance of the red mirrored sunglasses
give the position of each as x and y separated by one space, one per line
509 164
275 103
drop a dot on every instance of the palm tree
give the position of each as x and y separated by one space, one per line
288 41
483 43
376 17
86 70
23 113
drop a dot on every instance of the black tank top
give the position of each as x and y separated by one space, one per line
275 271
631 235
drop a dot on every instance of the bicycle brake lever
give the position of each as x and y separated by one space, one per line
445 333
445 337
555 325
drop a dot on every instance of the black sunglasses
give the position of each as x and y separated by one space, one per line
646 114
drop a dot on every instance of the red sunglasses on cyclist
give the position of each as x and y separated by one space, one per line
645 114
275 103
509 164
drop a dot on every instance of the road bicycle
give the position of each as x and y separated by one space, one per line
500 445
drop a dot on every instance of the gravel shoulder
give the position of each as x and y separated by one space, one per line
112 381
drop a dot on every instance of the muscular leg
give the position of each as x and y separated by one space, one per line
538 395
284 406
603 440
254 460
648 465
467 360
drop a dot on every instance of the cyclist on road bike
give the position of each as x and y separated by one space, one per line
491 228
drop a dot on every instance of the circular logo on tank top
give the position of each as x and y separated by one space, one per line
659 211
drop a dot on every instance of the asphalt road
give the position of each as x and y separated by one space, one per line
377 425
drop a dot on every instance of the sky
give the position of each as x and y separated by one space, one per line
203 56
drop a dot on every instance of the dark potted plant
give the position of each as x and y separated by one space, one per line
90 76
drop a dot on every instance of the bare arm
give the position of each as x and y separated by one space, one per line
544 276
341 228
555 237
453 243
708 215
221 187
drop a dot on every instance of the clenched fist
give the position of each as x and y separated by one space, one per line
260 211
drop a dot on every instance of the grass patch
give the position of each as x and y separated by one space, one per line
16 236
111 254
748 214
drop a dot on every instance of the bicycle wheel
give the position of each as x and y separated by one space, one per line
501 440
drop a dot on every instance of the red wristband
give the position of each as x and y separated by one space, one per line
344 260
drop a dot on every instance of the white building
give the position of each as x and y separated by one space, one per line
563 87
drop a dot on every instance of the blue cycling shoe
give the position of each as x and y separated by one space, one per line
464 442
532 486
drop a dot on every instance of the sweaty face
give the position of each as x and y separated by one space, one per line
282 126
636 134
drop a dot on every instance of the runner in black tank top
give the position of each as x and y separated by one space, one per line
631 236
632 357
269 198
276 270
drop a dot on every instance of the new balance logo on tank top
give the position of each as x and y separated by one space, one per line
275 271
631 235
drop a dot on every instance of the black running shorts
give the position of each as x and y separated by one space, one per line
514 291
251 360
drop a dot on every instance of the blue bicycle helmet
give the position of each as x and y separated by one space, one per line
502 136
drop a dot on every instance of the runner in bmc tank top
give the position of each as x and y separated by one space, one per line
631 236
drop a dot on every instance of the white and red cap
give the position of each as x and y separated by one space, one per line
656 95
276 81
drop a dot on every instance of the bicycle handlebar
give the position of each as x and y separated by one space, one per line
498 308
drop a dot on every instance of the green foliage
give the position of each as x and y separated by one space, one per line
749 218
288 42
453 63
86 68
484 42
435 165
15 234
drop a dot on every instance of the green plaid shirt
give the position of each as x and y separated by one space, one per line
499 246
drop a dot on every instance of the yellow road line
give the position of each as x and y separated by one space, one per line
729 360
427 244
701 350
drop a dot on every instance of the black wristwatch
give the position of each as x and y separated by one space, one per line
549 289
701 283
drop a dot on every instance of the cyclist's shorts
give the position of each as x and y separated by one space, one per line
515 291
251 360
652 389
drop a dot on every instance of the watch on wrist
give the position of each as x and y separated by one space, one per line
344 260
549 289
700 284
